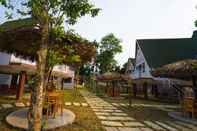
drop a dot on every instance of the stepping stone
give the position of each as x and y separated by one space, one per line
27 104
7 106
154 126
166 126
117 118
102 113
19 104
123 104
111 123
133 124
68 103
119 114
84 104
76 104
180 127
186 125
115 104
111 129
118 111
102 117
134 129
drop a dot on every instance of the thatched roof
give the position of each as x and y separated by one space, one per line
17 68
20 37
29 69
182 69
110 76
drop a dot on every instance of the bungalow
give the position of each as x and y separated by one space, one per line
153 53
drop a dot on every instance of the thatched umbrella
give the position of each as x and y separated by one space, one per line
185 69
22 37
109 76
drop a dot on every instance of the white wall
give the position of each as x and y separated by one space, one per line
15 59
139 60
4 60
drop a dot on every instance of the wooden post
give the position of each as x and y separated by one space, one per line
129 91
21 85
14 81
145 89
134 90
194 87
62 84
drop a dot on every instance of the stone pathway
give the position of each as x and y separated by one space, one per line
167 108
114 119
21 104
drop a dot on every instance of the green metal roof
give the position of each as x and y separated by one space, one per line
158 52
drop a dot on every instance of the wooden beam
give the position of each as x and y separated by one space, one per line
21 85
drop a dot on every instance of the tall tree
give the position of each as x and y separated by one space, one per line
108 48
48 14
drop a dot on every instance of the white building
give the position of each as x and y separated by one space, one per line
153 53
7 59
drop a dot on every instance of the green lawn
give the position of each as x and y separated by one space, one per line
85 119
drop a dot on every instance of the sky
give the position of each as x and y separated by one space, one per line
137 19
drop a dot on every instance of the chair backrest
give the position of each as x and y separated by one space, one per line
188 103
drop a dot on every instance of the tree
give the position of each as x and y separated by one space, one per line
109 47
48 14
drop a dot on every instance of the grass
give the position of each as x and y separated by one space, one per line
85 119
73 96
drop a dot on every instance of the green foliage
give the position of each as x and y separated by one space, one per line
53 11
109 47
110 43
195 23
86 70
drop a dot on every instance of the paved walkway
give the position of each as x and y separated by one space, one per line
114 119
22 104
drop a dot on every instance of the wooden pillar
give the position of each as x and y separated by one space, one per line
62 84
134 90
21 85
130 93
145 89
194 87
14 81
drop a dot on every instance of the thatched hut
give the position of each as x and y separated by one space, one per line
185 69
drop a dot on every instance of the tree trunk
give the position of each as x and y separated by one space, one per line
36 105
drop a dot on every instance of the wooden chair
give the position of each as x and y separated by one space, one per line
60 101
189 106
51 105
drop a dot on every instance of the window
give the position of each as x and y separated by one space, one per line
143 67
68 80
